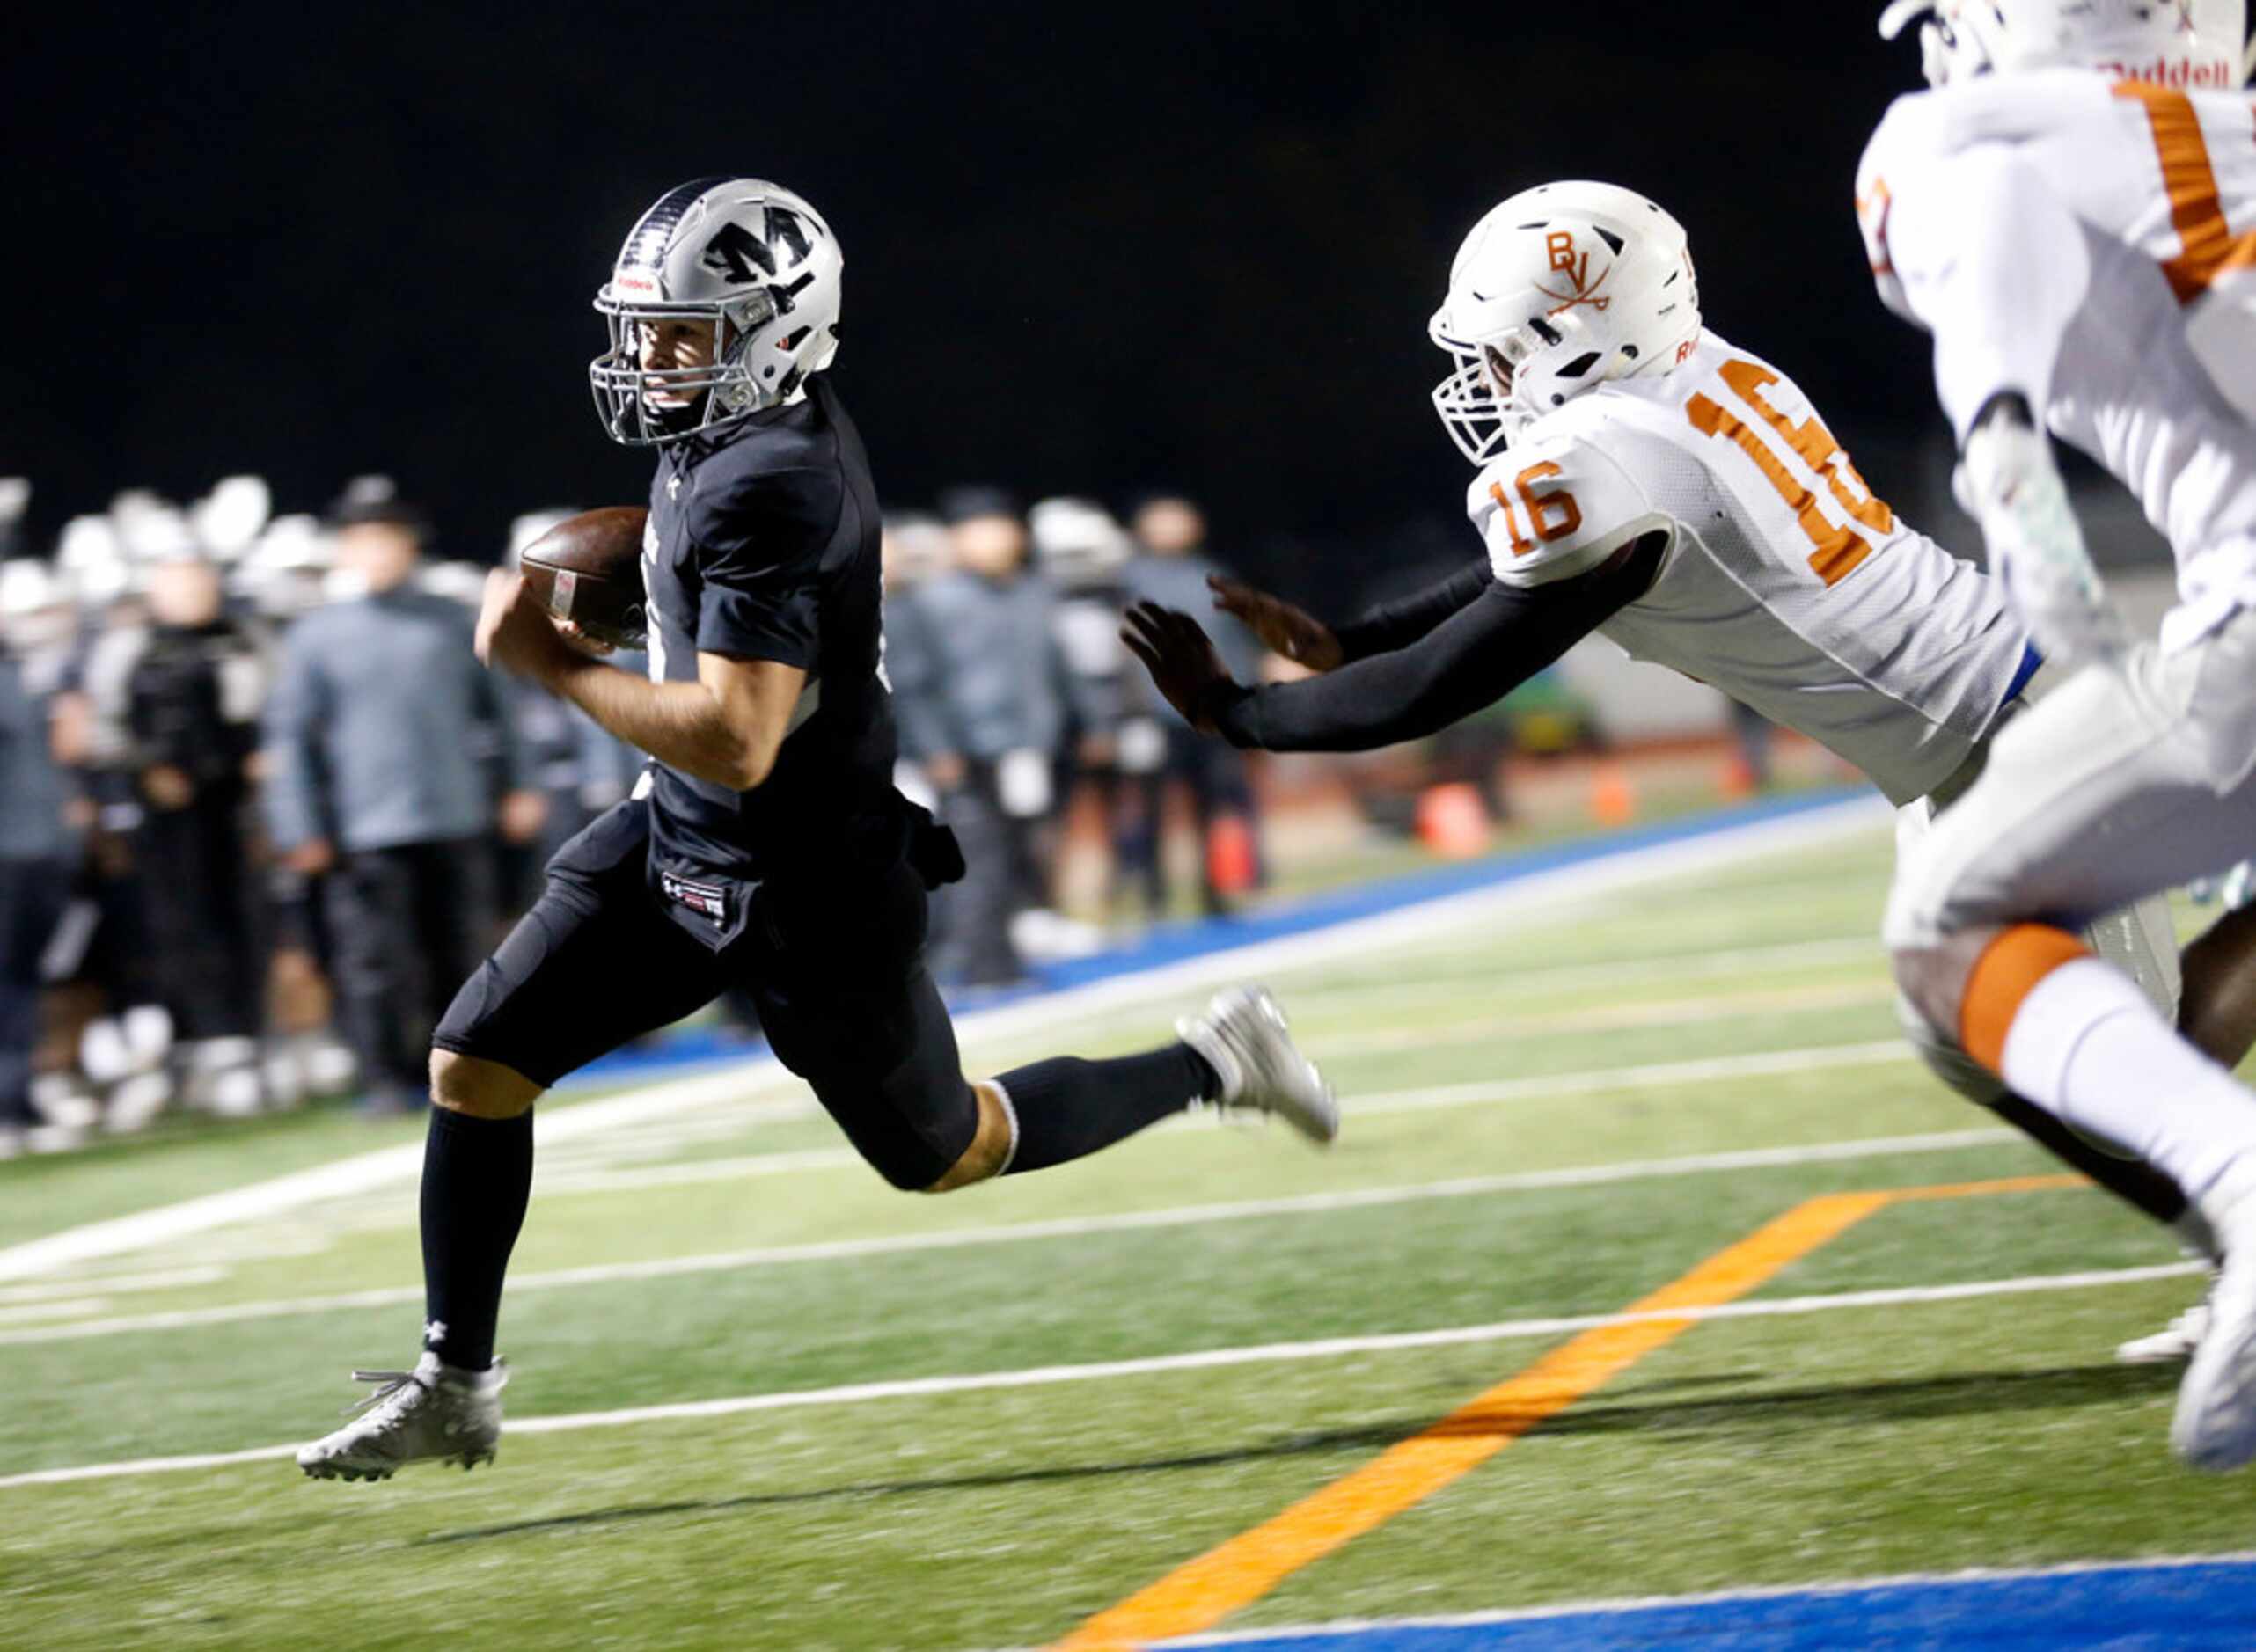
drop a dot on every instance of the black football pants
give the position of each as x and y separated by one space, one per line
32 896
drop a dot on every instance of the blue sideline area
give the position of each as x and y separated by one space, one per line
1174 943
2207 1603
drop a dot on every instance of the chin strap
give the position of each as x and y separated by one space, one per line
2007 482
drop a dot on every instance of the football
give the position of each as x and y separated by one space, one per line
588 569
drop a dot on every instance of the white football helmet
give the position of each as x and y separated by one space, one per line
1561 288
748 256
2189 43
1077 542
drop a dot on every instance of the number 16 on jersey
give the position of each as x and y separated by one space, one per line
1793 457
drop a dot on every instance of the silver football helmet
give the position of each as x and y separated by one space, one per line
750 257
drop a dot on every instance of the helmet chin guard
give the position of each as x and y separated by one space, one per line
1558 290
750 257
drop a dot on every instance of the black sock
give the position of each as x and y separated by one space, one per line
1068 1107
477 1182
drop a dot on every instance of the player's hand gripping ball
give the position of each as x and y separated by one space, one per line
587 572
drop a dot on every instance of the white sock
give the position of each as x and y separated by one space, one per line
2087 1047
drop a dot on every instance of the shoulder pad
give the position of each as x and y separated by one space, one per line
1904 148
780 513
1555 508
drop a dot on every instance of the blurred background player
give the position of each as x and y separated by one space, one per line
999 686
377 739
1171 569
174 701
34 882
916 550
2058 213
1080 549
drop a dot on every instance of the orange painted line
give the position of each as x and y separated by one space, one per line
1979 1190
1201 1594
1198 1595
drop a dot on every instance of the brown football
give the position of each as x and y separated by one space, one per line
588 569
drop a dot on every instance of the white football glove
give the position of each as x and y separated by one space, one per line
2007 482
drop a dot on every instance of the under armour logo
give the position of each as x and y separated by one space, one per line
434 1332
1575 265
673 487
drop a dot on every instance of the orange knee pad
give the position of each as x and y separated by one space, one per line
2002 978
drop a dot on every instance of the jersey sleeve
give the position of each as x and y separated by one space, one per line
1970 240
759 542
1556 508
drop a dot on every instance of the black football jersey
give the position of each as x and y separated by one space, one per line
763 544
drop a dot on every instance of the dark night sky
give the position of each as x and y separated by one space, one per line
1088 249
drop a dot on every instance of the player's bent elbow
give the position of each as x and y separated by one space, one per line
750 766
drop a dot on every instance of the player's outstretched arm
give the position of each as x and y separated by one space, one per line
1285 628
1292 631
726 728
1469 661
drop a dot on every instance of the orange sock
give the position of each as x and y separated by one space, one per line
2005 974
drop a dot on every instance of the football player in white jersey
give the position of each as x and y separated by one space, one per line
1645 479
2069 214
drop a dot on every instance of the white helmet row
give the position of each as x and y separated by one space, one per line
1560 289
2191 43
1077 542
752 259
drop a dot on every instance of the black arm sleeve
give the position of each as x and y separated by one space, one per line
1397 624
1473 659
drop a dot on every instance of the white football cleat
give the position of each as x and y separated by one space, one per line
1244 1038
2175 1342
432 1414
2215 1427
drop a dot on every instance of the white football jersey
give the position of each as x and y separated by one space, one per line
1786 584
2092 243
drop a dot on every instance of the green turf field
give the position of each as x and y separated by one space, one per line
978 1420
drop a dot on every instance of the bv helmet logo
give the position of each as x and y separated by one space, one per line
1575 265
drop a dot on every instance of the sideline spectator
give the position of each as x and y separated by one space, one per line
1000 705
1171 570
1080 549
175 703
916 550
377 739
34 880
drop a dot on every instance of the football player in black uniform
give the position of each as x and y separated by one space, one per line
767 849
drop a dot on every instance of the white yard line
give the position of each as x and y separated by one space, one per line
1601 1018
68 1308
78 1284
1651 1075
1359 1626
150 1230
1521 902
1715 1069
1209 1359
1406 986
744 1165
1064 1227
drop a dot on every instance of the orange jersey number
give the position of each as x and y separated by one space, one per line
2208 246
1839 546
1553 516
